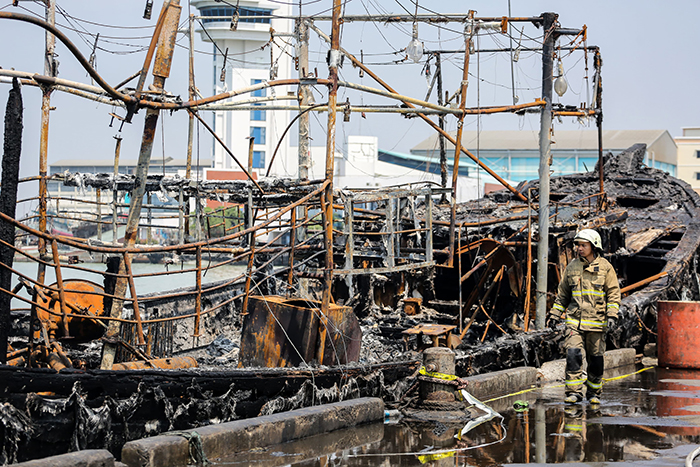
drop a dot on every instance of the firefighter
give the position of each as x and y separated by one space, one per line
589 300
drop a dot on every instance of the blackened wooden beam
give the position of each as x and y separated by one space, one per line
12 149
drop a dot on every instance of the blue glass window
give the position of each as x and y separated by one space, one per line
258 115
524 168
226 14
259 159
258 133
260 92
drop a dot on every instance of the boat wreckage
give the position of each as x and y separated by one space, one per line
340 290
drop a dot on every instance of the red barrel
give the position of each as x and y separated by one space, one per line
679 334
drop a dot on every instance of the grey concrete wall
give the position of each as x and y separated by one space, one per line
241 435
500 383
86 458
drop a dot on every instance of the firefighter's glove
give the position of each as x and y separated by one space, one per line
554 320
611 323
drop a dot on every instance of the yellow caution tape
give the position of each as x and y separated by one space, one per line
606 380
435 374
625 376
433 457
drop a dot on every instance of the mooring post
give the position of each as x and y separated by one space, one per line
549 28
161 70
12 149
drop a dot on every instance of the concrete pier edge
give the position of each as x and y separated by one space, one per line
241 435
86 458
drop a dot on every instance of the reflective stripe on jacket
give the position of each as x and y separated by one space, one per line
589 293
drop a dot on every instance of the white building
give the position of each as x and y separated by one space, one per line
689 156
251 59
366 166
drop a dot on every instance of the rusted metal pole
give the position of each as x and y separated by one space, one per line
251 143
161 71
249 275
59 284
549 28
528 274
134 298
327 205
292 243
469 31
198 298
49 70
646 281
304 99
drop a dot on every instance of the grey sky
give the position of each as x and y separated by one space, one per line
650 71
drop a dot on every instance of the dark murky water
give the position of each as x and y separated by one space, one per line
650 419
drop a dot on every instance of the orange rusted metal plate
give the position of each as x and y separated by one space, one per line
171 363
280 332
80 329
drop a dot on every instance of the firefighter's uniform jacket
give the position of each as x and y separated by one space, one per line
589 294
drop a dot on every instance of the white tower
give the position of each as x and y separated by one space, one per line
252 58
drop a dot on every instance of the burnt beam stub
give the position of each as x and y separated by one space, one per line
12 149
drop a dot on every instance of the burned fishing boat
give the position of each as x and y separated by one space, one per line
365 280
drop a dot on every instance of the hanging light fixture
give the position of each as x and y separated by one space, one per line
560 85
414 49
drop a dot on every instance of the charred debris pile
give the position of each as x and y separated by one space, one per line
648 223
474 298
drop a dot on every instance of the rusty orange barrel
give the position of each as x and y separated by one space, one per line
679 334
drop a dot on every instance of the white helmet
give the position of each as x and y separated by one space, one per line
591 236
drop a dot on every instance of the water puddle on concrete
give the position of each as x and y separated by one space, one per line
648 419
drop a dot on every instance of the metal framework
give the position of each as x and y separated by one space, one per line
380 230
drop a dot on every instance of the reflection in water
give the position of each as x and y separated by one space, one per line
639 419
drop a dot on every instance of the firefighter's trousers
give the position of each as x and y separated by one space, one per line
592 344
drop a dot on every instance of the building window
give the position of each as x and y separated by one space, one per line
226 14
258 132
259 159
697 175
258 115
697 154
259 92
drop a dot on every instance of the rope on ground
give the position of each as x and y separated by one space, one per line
195 447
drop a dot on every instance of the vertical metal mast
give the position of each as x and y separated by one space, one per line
327 207
49 70
469 32
161 70
548 25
